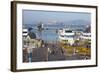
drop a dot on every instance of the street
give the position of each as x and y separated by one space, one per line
50 52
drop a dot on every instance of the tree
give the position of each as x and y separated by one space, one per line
30 28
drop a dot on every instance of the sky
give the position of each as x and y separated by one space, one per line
33 16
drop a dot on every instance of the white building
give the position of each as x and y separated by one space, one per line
30 40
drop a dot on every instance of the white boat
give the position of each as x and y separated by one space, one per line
86 36
67 35
25 32
70 36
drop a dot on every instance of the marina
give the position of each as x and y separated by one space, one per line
56 36
58 44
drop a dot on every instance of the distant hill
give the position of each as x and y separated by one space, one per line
81 24
78 22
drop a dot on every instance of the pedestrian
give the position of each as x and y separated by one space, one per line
30 54
62 51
